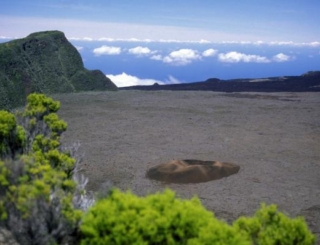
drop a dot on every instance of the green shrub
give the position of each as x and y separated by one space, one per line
124 218
39 105
39 198
269 226
162 218
12 136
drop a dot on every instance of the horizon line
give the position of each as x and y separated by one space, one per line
201 41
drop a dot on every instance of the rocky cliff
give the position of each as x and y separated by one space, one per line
44 62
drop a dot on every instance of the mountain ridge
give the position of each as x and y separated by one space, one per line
44 62
307 82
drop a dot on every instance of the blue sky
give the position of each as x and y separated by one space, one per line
144 41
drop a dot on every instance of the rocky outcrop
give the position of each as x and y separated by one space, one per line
191 171
44 62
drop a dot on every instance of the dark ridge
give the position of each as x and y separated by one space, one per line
308 82
44 62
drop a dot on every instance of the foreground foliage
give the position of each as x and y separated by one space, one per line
162 218
42 200
124 218
36 186
269 226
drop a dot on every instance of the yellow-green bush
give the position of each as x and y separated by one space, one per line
12 136
162 218
36 187
269 226
39 105
124 218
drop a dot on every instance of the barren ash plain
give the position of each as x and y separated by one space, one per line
273 137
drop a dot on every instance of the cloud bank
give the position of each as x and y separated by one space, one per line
182 57
125 80
186 56
235 57
140 51
209 52
107 50
201 41
282 58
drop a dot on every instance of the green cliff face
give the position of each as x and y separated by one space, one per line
44 62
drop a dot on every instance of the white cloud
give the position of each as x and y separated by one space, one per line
88 39
4 37
299 44
156 57
101 39
140 51
202 41
259 43
107 50
282 57
313 44
235 57
209 52
125 80
289 43
182 57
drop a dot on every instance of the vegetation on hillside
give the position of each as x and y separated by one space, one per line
43 201
44 62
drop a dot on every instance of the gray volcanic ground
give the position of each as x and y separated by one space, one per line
273 137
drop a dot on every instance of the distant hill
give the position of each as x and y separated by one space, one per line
44 62
308 82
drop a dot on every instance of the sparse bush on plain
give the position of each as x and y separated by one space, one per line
43 199
162 218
